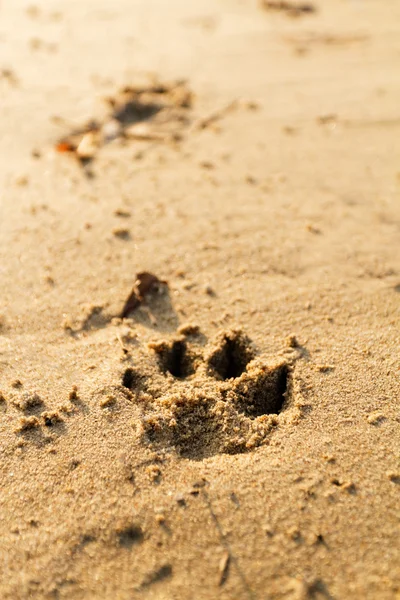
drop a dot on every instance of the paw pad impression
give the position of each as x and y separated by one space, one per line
223 398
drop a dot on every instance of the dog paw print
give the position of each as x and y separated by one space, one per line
201 399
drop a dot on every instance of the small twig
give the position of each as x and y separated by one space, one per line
224 568
215 116
224 574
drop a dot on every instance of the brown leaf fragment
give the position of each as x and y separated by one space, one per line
224 565
157 113
83 142
145 283
65 146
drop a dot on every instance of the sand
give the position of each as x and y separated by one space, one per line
237 433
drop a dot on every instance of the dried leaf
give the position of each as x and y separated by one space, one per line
153 113
144 284
65 146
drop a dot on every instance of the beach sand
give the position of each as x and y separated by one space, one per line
235 433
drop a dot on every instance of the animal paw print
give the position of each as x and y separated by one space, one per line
201 398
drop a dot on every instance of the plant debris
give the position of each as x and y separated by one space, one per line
224 568
215 116
157 113
145 284
292 9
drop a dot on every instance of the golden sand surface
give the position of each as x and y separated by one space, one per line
199 300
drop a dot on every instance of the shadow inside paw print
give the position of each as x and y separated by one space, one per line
175 358
223 398
231 356
261 392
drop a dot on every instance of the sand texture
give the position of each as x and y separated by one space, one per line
199 300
